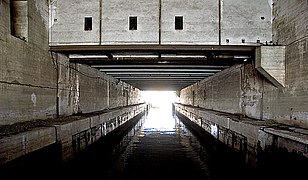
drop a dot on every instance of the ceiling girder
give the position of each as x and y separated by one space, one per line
153 66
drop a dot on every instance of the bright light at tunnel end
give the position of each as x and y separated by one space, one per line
159 99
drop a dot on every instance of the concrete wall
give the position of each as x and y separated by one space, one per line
115 21
122 94
252 138
200 22
246 20
72 134
67 21
242 89
82 89
27 75
290 29
220 92
37 84
204 22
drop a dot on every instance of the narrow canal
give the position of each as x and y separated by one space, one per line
158 146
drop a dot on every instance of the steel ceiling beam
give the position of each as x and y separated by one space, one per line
160 70
103 66
149 47
159 73
155 66
162 77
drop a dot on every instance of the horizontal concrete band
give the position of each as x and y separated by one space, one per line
65 132
230 129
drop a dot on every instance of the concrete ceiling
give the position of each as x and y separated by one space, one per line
158 67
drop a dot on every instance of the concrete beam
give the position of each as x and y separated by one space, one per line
229 128
16 145
72 133
270 62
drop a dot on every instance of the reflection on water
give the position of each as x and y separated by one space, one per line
160 120
159 146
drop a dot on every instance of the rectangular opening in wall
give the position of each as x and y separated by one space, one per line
133 23
178 22
19 18
88 23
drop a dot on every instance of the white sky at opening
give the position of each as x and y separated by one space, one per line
160 116
159 98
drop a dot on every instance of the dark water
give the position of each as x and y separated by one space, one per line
157 146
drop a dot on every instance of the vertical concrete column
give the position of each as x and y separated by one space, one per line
19 17
108 94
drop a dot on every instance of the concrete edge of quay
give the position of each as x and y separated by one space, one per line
71 135
251 137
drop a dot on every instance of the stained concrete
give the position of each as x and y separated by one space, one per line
246 135
270 62
212 22
36 84
71 133
28 76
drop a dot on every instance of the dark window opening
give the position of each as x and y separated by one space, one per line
178 22
88 23
132 23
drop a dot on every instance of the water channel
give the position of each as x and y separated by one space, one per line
158 146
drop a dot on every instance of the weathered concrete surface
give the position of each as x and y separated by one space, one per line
200 22
17 145
92 90
279 114
115 21
245 135
246 20
37 84
19 27
221 92
67 21
68 88
259 98
241 89
27 75
73 134
290 22
209 22
270 62
82 89
290 29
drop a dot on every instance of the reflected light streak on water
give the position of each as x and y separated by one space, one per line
160 120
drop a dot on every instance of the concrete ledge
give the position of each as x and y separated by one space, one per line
247 135
294 140
72 133
20 144
294 134
65 132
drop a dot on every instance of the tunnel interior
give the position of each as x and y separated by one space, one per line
73 72
159 67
